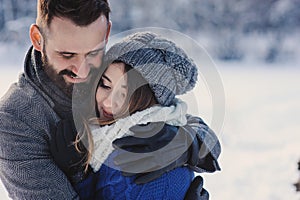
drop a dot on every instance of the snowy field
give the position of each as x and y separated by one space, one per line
260 137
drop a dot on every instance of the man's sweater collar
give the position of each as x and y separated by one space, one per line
33 69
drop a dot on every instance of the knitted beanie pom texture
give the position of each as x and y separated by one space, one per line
164 65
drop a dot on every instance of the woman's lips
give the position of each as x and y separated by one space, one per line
107 115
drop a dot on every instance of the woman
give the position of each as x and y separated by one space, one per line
144 74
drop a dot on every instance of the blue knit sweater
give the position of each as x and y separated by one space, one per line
108 183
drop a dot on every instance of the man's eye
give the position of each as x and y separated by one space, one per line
93 54
67 56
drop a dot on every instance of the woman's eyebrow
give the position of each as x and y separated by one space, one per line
104 76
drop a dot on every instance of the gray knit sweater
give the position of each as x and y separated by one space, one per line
27 118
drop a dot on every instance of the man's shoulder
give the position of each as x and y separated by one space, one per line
21 94
25 103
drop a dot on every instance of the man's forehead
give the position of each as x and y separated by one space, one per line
65 22
77 47
66 36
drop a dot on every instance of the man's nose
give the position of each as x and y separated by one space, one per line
81 67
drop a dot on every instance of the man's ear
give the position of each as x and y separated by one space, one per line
36 37
108 31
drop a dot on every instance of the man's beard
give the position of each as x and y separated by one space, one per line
82 94
57 78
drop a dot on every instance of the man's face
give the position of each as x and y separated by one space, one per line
70 52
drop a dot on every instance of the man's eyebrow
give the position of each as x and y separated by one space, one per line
73 53
97 50
100 48
65 52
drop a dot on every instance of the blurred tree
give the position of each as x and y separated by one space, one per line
2 20
224 23
297 185
15 9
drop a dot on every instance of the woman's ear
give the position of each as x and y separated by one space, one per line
36 37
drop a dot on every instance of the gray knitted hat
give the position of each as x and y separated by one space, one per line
164 65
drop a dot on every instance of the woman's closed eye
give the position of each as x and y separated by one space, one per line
103 85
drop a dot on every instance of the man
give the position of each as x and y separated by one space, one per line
68 42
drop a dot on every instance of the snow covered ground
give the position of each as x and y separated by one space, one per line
260 137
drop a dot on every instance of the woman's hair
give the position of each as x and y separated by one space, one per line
139 97
81 12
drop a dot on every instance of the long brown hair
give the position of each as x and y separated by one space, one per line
139 97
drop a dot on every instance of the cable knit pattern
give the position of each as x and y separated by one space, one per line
109 184
166 67
172 185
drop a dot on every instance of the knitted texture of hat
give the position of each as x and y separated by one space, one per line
164 65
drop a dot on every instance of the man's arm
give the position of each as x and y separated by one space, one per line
27 168
195 145
205 148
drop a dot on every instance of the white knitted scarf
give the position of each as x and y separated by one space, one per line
103 136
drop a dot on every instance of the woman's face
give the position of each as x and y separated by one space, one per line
112 91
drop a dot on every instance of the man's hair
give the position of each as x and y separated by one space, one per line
80 12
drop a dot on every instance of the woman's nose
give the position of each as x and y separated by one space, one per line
107 101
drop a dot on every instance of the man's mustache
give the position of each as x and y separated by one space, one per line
67 72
